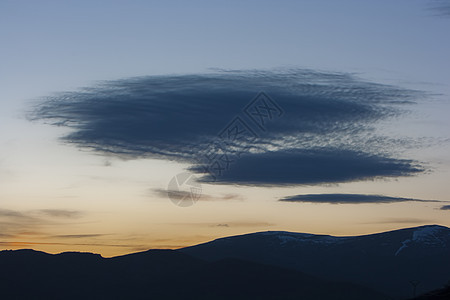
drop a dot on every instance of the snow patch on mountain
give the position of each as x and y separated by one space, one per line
404 245
428 235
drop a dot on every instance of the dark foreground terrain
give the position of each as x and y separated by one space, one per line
158 274
267 265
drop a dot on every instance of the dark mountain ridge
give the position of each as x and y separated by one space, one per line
159 274
386 261
263 265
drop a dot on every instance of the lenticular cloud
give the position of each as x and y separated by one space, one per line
309 127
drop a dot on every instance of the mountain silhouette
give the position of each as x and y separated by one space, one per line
159 274
385 262
265 265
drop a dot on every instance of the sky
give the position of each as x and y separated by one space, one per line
310 116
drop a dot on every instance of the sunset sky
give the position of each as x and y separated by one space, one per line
101 105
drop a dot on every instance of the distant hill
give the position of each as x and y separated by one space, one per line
159 274
385 262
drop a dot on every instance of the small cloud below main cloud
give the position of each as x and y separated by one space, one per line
204 197
350 199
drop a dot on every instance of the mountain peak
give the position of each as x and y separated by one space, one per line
427 231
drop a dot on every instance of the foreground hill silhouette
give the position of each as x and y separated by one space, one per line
158 274
266 265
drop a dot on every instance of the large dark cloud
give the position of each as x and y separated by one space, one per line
348 199
319 127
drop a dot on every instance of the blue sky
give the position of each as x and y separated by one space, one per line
51 50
